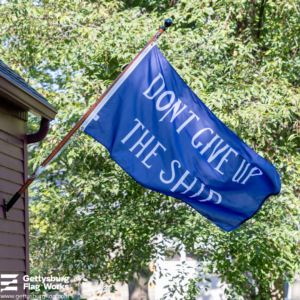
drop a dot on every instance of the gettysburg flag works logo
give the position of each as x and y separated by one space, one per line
5 285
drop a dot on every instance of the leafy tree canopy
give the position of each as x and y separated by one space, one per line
240 57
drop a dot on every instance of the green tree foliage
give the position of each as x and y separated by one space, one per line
240 57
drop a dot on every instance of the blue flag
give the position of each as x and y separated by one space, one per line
164 137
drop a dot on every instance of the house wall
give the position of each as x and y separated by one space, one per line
170 267
295 289
14 236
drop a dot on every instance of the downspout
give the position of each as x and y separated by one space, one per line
40 134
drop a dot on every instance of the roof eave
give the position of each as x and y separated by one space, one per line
16 94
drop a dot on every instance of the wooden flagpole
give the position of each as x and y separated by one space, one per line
66 139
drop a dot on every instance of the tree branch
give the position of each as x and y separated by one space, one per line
261 12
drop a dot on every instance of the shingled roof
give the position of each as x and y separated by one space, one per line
7 72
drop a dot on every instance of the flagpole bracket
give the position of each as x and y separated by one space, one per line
5 209
9 204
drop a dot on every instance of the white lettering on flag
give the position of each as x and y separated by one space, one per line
159 76
152 152
224 158
173 172
252 174
177 146
197 135
211 192
193 116
239 170
135 128
175 113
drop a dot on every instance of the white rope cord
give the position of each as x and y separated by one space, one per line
37 173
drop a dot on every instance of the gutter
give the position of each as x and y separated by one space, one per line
40 134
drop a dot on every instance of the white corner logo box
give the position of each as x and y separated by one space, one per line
6 285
